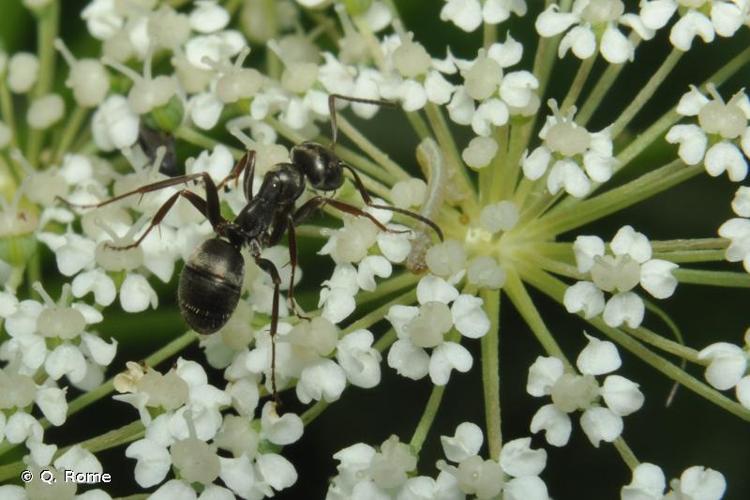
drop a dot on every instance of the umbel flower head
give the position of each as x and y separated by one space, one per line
401 192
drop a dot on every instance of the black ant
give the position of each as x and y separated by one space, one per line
211 280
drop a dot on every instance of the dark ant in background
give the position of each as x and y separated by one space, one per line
150 140
211 280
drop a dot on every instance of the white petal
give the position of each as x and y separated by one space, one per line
400 316
525 488
621 395
517 88
208 17
324 380
630 242
584 296
518 459
600 424
371 266
581 40
98 349
439 90
136 294
466 14
624 308
657 278
153 462
51 401
727 364
726 156
687 27
408 360
432 288
66 360
656 13
238 474
461 107
615 47
281 430
691 102
466 442
598 357
446 357
702 483
567 174
413 95
174 488
535 164
554 422
543 374
205 110
585 249
469 316
727 18
648 483
276 471
551 22
743 391
692 141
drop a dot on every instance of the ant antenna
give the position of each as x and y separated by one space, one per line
332 109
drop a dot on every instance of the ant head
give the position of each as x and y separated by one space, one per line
285 182
320 165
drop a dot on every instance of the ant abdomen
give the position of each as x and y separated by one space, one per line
210 285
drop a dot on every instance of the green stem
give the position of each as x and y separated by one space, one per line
378 314
47 21
555 289
626 453
491 373
428 417
314 412
647 92
499 170
520 297
370 149
72 127
728 279
387 287
602 86
6 107
584 69
564 219
418 124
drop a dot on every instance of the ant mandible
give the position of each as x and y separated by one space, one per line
211 280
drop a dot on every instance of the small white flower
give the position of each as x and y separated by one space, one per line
723 125
727 364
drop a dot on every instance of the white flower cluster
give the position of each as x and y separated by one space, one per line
571 392
388 472
721 128
630 264
695 483
425 327
577 156
187 423
593 24
47 341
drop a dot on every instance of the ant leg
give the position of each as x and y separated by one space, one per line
317 202
332 109
148 188
293 262
247 164
270 268
368 201
193 198
209 207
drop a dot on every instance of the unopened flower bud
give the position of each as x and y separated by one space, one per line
23 70
45 111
